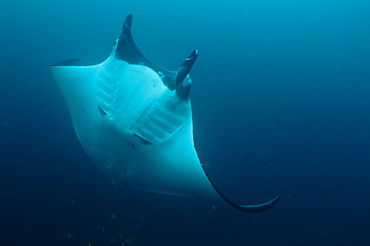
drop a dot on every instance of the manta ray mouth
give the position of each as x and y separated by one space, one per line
128 51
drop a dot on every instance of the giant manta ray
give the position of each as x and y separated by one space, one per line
134 120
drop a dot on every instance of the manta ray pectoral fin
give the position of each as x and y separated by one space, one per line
68 62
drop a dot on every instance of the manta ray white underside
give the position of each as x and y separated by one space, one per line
134 120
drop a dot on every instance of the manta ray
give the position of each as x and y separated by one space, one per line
134 119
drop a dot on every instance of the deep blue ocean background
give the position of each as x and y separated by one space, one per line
281 105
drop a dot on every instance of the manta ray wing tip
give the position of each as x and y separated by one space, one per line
69 62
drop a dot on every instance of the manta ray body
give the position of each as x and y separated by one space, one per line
134 120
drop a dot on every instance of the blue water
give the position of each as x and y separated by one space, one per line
281 105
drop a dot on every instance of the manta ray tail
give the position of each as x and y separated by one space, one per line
245 208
